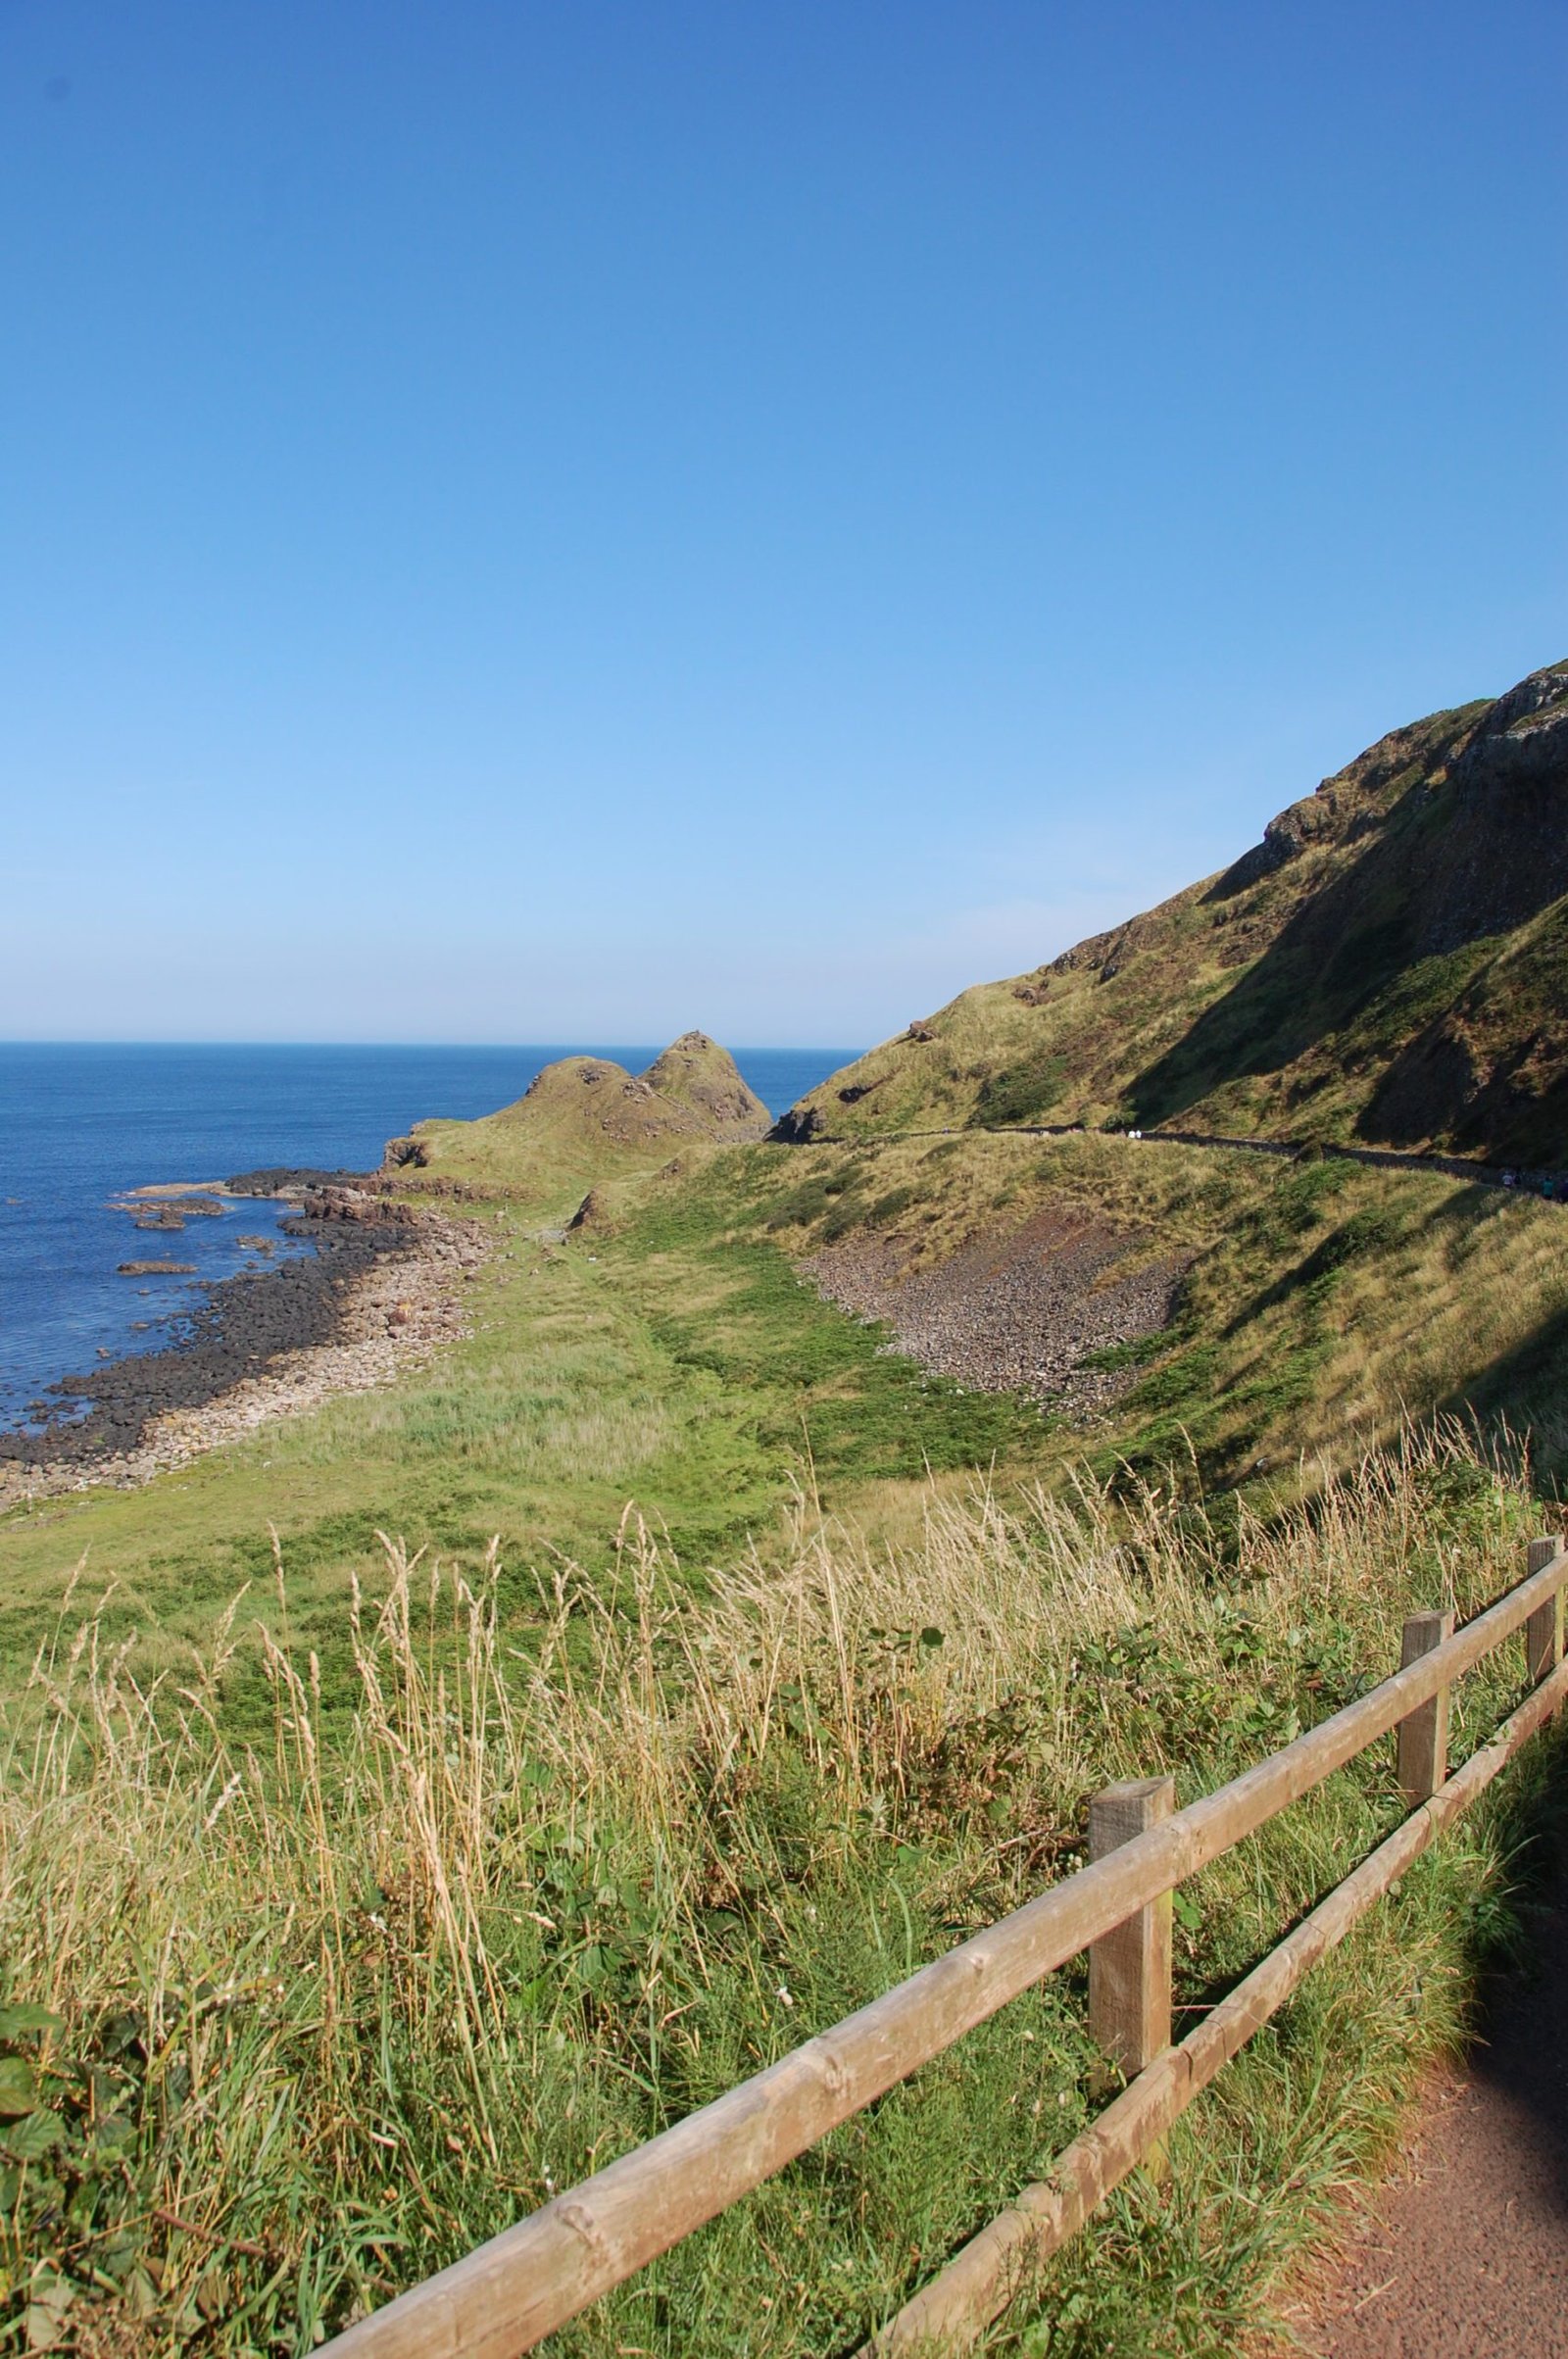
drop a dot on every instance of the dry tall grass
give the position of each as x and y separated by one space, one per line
329 2006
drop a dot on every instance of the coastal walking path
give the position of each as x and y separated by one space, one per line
1464 2253
1551 1185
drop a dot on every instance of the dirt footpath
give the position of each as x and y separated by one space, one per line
1465 2254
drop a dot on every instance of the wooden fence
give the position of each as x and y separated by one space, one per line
511 2292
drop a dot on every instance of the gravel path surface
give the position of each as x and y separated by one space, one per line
1465 2254
1019 1311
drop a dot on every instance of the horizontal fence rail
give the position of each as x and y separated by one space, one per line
506 2296
996 2266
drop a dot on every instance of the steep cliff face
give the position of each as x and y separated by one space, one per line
1387 964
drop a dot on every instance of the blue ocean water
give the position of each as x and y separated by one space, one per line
83 1123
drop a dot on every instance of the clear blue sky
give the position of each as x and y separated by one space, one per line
545 521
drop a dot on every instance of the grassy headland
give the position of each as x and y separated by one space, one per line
681 1367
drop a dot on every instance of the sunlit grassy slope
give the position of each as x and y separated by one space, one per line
364 1914
668 1354
681 1367
585 1120
1388 965
1324 1301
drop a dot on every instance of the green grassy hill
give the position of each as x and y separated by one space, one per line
411 1806
694 1072
585 1120
1320 1303
1387 966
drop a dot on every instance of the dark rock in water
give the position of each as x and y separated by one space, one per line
284 1179
158 1269
172 1211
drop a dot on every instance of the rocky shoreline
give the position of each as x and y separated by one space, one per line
382 1290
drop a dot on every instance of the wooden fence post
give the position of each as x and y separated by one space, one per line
1544 1630
1424 1732
1129 1968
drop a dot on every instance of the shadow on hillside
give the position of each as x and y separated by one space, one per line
1433 1069
1371 1229
1527 1388
1338 951
1437 881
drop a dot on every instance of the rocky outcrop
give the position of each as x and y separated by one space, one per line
694 1072
592 1095
401 1155
1505 854
801 1125
592 1213
365 1206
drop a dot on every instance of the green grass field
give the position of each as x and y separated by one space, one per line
679 1368
671 1357
439 1872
